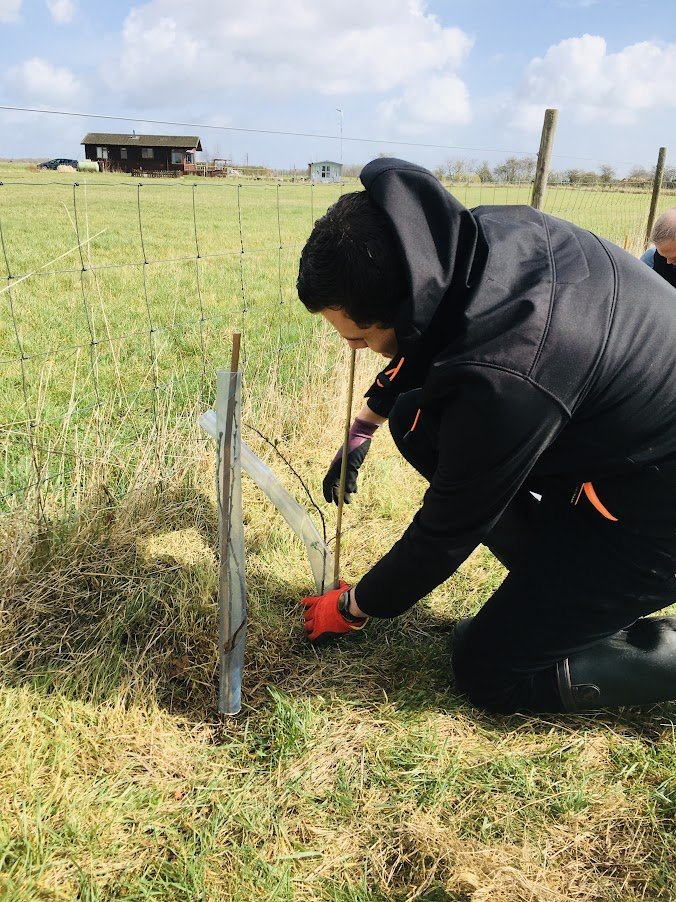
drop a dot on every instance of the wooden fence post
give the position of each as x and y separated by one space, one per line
657 184
544 156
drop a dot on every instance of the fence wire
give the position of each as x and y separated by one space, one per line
120 298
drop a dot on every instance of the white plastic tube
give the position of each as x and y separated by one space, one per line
232 618
319 555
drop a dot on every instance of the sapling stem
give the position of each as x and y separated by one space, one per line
343 470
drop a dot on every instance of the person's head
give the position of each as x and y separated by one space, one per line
663 235
351 272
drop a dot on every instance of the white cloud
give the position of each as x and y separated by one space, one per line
62 11
178 50
9 10
429 105
37 81
580 76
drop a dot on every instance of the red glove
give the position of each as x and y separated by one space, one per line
323 620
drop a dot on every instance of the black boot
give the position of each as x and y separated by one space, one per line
636 666
461 628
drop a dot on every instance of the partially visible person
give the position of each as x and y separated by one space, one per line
662 257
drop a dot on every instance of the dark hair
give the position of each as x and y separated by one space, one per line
351 263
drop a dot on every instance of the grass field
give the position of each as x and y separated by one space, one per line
354 773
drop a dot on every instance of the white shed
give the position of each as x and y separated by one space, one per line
325 171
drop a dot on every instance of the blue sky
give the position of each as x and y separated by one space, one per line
476 75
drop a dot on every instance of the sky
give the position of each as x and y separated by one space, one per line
425 81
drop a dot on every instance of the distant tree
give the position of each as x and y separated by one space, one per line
641 174
528 167
607 173
507 171
439 172
352 170
581 177
484 172
472 169
515 170
556 177
458 169
669 179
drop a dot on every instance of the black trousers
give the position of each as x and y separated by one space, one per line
574 579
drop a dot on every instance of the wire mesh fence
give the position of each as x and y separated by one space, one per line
109 338
618 212
120 298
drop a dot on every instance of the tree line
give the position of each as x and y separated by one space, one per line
515 170
520 170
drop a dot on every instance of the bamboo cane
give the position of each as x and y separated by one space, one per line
343 469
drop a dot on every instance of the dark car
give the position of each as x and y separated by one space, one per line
54 164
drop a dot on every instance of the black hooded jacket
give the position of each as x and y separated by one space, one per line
664 269
545 352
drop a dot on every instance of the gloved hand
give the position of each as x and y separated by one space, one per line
323 620
359 443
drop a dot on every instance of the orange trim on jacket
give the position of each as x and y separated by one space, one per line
594 499
391 373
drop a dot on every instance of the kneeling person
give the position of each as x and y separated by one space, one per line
526 355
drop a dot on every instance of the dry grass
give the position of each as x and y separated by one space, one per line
354 773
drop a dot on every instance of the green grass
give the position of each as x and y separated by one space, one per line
139 341
354 773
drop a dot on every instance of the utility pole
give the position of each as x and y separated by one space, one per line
340 122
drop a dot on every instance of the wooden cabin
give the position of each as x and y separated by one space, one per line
141 153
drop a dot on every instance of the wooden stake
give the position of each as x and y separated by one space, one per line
234 359
657 185
343 470
544 156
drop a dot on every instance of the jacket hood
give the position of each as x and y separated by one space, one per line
436 234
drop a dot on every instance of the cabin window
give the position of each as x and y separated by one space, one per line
123 153
147 153
176 157
326 172
101 153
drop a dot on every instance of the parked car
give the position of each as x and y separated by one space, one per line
54 164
